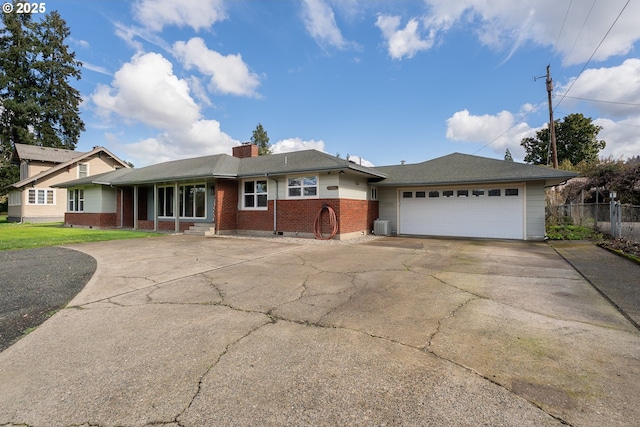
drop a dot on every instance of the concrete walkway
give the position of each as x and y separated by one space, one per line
187 331
617 278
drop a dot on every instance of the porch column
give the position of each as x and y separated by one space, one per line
155 207
176 206
135 207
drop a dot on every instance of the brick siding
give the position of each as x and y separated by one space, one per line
87 219
226 210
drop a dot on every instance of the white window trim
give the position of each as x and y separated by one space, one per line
243 194
83 164
182 204
173 201
302 187
46 192
76 203
373 193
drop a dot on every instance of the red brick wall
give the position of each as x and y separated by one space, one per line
163 225
245 150
299 215
226 204
87 219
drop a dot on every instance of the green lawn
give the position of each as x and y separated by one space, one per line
27 236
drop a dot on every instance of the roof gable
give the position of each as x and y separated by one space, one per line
82 156
465 168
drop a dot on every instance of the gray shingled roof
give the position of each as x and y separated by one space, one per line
45 154
464 168
451 169
299 161
223 165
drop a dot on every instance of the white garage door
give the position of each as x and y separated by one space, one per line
493 212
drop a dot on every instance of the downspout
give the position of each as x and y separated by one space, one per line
275 206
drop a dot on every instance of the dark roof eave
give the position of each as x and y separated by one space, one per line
173 178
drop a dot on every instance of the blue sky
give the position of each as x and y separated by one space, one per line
383 80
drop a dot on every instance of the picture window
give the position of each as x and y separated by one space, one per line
305 186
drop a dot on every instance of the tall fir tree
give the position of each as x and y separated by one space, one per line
261 139
507 156
59 123
39 105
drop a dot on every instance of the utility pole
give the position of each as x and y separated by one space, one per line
552 127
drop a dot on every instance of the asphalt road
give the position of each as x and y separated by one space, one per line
35 283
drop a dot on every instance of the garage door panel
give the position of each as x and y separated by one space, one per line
471 216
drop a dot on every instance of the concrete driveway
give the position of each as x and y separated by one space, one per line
189 331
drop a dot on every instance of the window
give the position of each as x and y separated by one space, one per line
447 193
83 170
511 192
374 193
306 186
407 194
495 192
165 201
76 200
192 201
421 194
41 196
478 193
434 194
463 193
255 194
14 198
24 170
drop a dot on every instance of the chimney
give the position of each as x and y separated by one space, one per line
247 149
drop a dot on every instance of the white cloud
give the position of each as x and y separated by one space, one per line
229 74
199 14
622 138
506 24
201 138
320 22
617 86
500 130
146 89
296 144
402 42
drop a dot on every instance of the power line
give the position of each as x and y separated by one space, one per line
601 101
566 14
593 54
581 28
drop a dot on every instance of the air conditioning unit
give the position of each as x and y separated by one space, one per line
381 228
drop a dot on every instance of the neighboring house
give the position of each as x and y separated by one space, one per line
283 194
33 198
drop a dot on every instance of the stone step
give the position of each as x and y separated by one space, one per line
201 229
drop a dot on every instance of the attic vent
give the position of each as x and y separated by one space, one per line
285 160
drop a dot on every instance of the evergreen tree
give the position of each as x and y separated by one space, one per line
507 156
261 139
59 123
38 105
